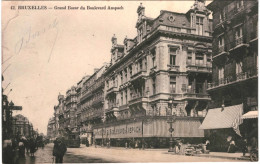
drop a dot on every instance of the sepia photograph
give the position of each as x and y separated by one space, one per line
111 81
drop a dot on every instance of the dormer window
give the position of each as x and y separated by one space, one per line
199 25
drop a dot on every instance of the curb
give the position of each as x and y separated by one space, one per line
234 158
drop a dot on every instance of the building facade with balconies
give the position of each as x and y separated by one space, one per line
91 103
70 110
235 69
160 74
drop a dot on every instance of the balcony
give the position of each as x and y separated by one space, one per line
174 68
137 99
112 108
139 74
199 68
113 89
221 52
97 101
196 96
238 45
254 38
233 79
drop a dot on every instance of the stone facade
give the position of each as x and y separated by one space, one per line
159 75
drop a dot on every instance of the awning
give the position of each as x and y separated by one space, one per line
219 119
250 114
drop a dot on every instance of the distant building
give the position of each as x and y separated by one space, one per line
92 103
234 88
22 126
51 129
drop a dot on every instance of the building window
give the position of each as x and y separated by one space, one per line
239 35
154 85
221 73
126 101
189 58
125 75
130 70
199 59
121 98
173 53
208 60
145 64
221 41
107 84
240 4
153 53
114 82
222 16
239 66
199 25
172 84
141 64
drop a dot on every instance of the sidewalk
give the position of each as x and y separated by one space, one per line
224 155
219 155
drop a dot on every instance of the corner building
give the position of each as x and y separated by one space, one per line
159 75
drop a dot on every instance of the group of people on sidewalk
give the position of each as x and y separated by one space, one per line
14 149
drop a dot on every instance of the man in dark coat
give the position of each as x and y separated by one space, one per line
59 150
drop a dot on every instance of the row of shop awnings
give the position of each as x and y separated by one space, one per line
220 118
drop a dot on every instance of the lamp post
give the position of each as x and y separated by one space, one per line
171 119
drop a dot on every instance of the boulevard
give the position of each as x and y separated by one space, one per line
114 155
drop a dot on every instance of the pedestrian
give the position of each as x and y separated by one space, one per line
207 145
32 147
8 152
232 147
26 145
21 148
87 143
244 146
59 151
126 145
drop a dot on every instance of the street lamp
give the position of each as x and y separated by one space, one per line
171 119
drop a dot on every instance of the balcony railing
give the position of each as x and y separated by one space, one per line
234 78
140 73
98 100
112 107
112 89
175 68
239 41
190 95
254 36
137 99
199 68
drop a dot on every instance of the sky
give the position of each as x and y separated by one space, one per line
46 52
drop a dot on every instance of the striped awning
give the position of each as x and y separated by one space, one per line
250 114
218 118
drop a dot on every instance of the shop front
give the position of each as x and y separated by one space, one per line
149 132
223 125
